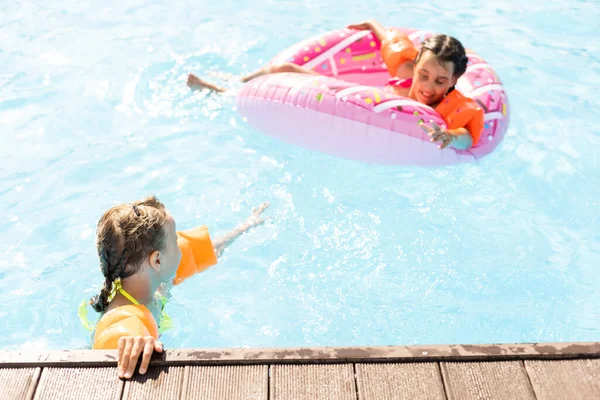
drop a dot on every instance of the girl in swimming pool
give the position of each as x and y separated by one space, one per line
141 255
427 75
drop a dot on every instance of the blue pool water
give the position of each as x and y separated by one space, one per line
94 111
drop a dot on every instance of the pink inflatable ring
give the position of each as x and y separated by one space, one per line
346 113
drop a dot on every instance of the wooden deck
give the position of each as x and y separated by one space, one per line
517 371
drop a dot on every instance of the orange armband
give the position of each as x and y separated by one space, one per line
197 253
476 124
129 320
460 111
396 49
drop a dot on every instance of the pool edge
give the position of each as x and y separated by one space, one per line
316 355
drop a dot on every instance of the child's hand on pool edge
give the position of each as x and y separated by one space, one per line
130 348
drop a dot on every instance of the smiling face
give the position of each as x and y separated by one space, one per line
431 79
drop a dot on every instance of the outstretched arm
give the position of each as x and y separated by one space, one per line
199 251
221 243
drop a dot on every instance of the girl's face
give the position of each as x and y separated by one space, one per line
431 79
171 254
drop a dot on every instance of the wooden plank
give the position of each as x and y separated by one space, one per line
486 380
34 383
156 383
569 379
312 382
15 382
78 384
227 383
399 381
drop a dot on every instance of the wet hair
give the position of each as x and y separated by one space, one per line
446 49
126 234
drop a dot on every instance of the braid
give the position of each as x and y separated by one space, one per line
100 301
120 269
126 235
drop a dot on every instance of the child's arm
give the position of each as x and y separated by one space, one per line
221 243
199 251
133 331
397 50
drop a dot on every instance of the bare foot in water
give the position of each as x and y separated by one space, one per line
196 83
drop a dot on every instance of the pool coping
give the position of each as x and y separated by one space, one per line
311 355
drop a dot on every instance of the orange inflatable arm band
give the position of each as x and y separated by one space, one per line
396 49
129 320
460 111
197 253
